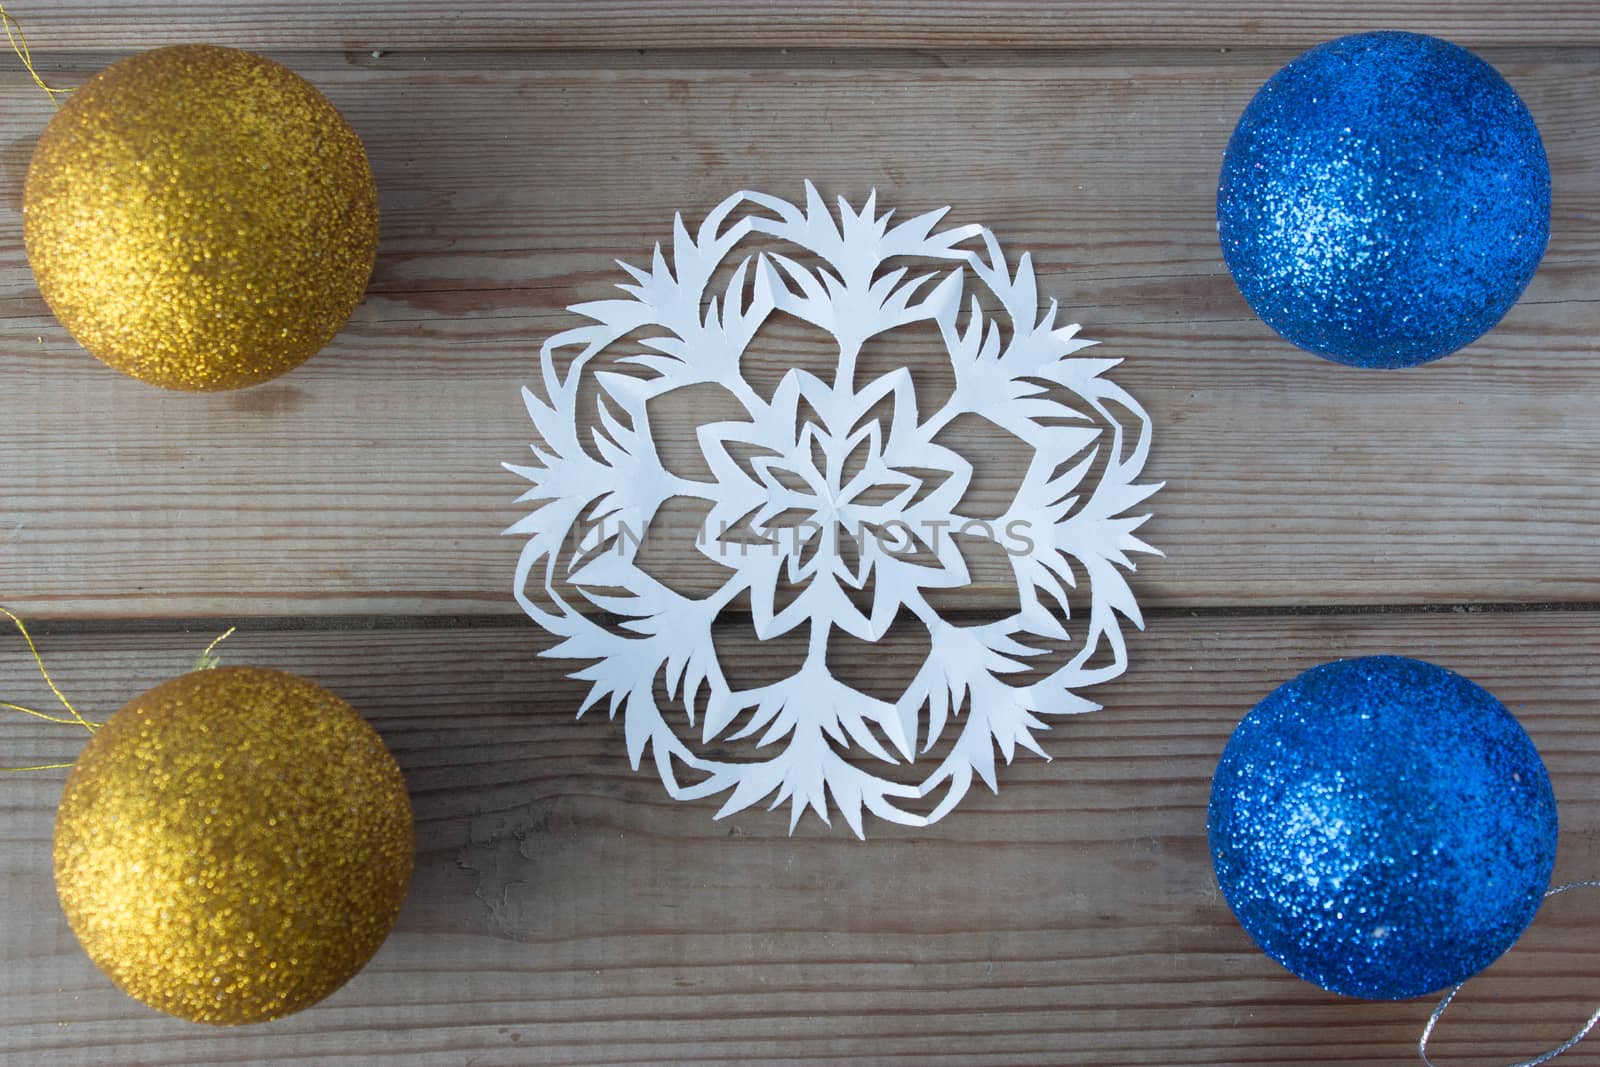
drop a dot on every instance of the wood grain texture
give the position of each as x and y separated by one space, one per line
565 912
544 24
368 481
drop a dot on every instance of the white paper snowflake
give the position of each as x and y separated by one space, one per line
878 525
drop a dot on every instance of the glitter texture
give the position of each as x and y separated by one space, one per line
1384 200
1382 827
233 845
200 218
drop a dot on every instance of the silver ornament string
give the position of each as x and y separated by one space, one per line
1543 1057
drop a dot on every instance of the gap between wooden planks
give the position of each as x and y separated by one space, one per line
550 24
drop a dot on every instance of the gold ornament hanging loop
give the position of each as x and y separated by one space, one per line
19 45
208 660
77 718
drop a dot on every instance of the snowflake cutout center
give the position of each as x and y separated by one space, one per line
824 453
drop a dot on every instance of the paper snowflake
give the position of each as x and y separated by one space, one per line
868 500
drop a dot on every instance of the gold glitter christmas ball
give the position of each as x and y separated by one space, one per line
233 845
200 218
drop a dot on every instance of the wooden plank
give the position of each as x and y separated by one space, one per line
565 912
362 25
368 481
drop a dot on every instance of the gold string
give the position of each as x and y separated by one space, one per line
208 660
19 45
77 717
37 714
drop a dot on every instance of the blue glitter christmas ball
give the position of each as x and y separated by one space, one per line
1384 200
1382 827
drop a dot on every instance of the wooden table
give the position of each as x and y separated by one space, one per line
564 911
